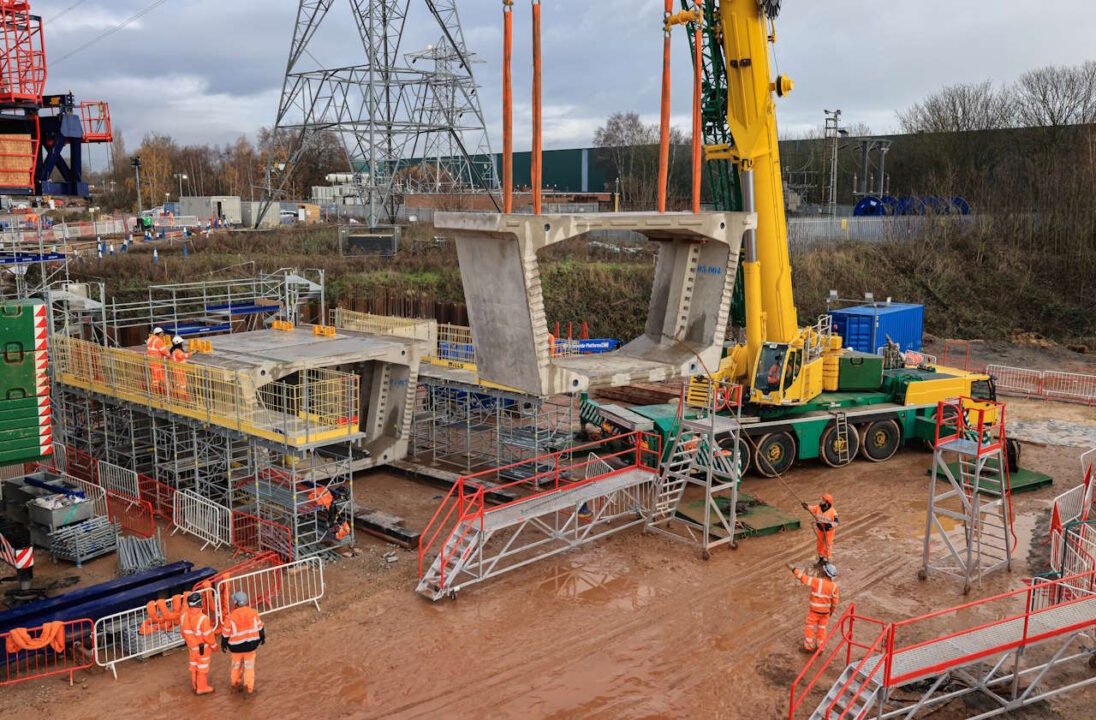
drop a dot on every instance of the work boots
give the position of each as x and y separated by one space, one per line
203 687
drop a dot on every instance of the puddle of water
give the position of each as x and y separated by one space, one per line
596 586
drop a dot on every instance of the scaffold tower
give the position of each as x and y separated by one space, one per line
705 463
969 491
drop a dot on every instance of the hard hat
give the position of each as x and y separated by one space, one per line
177 340
158 331
239 598
830 569
194 599
827 498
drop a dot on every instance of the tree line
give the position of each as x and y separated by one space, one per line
243 168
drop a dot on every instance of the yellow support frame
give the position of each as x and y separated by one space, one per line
321 408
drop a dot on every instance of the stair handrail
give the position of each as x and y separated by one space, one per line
474 510
1024 640
844 630
881 641
438 523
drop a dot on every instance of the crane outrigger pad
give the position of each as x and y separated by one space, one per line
687 315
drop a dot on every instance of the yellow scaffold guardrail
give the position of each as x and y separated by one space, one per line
319 407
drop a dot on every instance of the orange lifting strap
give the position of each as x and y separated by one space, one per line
52 635
161 616
695 16
536 165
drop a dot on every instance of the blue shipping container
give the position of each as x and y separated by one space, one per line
866 327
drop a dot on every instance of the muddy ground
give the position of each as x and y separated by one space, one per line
633 627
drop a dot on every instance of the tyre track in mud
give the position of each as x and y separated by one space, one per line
674 620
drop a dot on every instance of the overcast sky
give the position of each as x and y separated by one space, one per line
207 71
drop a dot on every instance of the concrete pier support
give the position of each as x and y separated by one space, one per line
686 318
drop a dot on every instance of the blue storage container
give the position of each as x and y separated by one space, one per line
866 327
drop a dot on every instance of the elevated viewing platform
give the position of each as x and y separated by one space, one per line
687 315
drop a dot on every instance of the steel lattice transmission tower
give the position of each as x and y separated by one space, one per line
409 121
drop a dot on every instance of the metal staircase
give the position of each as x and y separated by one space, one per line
855 694
584 493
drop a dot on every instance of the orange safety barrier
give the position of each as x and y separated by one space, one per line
262 561
159 496
131 514
251 534
52 649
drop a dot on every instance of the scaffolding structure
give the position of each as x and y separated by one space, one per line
277 457
705 462
969 490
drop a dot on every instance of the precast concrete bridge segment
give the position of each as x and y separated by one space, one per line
686 318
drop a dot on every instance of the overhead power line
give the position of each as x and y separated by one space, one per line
107 33
65 12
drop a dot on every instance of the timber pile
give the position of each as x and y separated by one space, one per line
641 393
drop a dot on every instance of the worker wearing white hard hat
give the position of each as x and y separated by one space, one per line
157 350
179 356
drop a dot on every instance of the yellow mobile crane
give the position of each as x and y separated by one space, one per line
808 397
781 362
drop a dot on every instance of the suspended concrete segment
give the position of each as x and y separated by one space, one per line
686 318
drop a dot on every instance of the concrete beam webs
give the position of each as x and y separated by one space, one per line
686 319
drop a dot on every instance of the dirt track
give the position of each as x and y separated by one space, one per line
634 627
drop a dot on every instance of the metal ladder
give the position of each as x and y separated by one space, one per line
852 698
674 476
841 421
992 534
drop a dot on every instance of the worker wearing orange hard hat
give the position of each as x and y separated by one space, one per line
197 631
825 527
823 603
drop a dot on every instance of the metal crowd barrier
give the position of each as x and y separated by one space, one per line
202 518
279 588
118 480
1044 385
132 634
72 651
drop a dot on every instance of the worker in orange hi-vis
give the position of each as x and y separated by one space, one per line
200 640
178 374
825 527
241 635
823 604
156 350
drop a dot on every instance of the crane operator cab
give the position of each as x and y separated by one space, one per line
789 373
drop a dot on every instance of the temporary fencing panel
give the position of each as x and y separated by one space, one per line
95 494
251 534
160 496
80 465
279 588
136 633
202 518
131 514
69 650
1050 385
118 480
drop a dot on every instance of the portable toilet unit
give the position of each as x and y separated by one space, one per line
865 328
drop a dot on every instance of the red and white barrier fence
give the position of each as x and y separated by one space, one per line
1044 385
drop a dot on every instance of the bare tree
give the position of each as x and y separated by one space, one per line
632 148
1057 96
961 108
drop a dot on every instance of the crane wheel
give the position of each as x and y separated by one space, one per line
745 451
830 448
880 440
776 453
